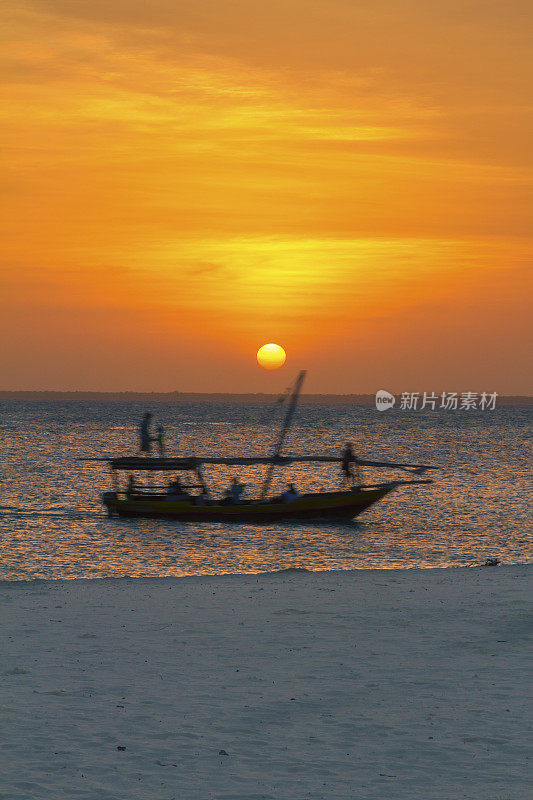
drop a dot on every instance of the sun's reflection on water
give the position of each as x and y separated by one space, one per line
52 524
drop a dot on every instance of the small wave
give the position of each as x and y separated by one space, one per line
287 571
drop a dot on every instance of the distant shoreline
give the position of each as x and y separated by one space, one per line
195 397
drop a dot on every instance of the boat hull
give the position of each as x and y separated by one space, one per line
325 505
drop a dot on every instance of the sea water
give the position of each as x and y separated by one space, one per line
52 523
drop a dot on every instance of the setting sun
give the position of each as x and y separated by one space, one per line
337 178
271 356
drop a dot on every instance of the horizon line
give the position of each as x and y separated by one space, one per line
93 394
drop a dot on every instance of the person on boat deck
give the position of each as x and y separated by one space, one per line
132 488
349 468
290 494
227 499
176 490
236 489
160 439
146 439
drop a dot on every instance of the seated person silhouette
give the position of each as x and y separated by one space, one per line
227 499
290 494
175 490
232 496
131 488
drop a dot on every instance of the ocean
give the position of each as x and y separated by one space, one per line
52 524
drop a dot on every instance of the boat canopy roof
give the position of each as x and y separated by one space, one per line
148 464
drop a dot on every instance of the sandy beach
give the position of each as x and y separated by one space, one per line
294 686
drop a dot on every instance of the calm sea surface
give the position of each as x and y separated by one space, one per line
53 526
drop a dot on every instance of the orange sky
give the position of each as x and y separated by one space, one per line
186 180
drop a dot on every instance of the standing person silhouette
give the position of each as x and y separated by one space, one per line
146 438
350 472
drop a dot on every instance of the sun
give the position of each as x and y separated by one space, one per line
271 356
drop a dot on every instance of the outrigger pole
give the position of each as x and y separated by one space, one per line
285 427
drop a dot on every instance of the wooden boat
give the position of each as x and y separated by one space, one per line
155 501
328 505
149 503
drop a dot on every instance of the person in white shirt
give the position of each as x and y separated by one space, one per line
290 494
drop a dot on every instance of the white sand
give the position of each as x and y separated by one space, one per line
370 684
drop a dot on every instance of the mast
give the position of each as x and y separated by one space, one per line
285 427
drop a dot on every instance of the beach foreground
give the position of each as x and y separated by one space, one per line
366 684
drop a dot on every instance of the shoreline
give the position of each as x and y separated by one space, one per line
288 571
406 684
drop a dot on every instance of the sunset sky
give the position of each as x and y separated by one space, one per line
187 180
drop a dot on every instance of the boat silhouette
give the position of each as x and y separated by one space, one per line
156 501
